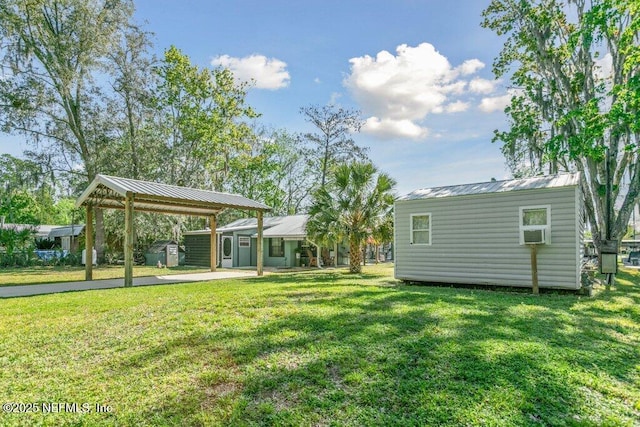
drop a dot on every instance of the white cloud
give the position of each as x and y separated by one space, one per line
457 107
482 86
399 91
495 103
267 73
470 66
389 128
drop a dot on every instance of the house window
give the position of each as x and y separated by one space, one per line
276 248
421 229
535 224
244 242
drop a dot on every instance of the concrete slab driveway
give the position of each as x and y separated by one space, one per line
52 288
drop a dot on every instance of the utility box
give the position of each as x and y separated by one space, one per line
166 251
609 257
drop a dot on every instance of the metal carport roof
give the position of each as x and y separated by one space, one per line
110 192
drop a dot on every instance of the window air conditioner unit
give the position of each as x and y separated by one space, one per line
534 237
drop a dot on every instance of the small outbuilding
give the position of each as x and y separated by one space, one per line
485 233
167 252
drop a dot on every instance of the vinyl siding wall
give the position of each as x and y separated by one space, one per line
475 240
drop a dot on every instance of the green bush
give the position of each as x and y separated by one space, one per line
21 258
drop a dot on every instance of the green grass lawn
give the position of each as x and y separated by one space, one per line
37 275
324 348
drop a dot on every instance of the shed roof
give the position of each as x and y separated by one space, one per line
548 181
109 192
161 246
40 231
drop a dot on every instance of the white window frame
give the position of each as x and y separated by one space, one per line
244 241
411 228
546 228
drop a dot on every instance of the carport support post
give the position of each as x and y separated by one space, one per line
259 245
88 245
214 248
534 268
128 240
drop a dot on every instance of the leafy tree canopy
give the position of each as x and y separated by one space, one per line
575 69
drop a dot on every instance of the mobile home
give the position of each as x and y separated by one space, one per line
483 233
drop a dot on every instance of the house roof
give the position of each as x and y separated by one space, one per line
549 181
291 227
110 192
294 226
41 231
248 224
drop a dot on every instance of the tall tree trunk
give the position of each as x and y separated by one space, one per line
355 255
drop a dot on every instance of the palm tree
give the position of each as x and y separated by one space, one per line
383 233
354 203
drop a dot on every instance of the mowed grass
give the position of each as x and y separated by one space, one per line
51 274
324 348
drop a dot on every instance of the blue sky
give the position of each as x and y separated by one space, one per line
419 70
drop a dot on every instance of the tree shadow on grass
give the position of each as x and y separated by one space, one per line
314 349
424 366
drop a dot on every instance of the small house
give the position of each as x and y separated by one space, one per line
483 233
285 243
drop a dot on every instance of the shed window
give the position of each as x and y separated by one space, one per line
276 247
421 229
535 224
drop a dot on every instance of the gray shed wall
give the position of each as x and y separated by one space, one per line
475 239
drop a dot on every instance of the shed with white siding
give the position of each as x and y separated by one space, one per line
482 233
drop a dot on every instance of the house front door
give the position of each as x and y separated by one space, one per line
227 251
